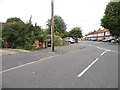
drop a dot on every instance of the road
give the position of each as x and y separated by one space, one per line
83 65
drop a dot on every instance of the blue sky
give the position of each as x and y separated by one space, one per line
76 13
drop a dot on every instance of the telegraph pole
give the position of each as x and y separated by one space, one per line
52 25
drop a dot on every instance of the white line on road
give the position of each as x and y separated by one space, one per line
105 52
88 67
27 64
104 49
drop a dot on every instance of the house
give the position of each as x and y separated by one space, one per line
100 34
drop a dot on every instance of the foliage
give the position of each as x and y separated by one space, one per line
111 19
58 40
10 34
11 20
59 26
76 32
22 35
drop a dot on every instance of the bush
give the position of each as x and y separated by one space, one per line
58 40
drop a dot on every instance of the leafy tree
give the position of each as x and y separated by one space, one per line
111 19
22 35
14 19
59 25
13 33
76 33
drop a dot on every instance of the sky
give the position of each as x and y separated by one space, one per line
76 13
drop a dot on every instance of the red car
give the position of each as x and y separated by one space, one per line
100 40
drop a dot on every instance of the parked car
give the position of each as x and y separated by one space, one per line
100 40
118 40
105 40
69 39
113 40
109 40
94 39
49 41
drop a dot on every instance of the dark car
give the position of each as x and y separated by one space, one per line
118 40
49 42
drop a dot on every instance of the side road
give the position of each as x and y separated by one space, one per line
16 59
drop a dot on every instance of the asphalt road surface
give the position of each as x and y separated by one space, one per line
83 65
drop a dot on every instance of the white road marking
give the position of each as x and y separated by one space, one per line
27 64
104 49
116 52
88 67
104 52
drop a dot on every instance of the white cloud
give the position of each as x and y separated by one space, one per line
83 13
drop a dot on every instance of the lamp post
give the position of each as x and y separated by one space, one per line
52 25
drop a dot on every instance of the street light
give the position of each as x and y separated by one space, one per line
52 25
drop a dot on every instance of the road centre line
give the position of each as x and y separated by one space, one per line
28 63
105 52
86 69
89 66
104 49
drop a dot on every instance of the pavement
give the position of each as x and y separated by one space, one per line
82 65
12 51
16 59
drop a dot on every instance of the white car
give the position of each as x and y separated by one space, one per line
69 39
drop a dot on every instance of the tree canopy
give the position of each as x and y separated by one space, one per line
14 19
76 32
111 19
19 34
59 25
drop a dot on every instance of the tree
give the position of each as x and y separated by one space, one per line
111 19
59 25
12 20
13 33
21 35
76 33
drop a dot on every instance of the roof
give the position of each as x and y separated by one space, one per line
96 32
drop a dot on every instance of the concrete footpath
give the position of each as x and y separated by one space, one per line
59 49
16 59
12 51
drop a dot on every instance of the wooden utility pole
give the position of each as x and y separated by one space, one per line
52 25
